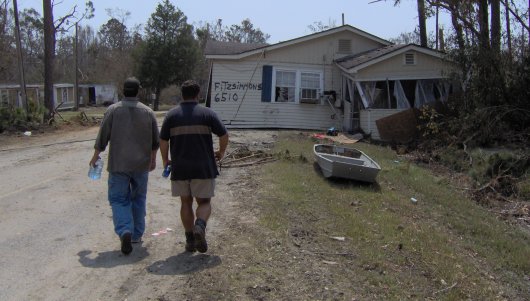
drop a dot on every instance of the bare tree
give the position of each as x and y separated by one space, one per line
422 17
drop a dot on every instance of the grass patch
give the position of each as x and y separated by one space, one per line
443 247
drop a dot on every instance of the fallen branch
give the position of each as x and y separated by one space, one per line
239 159
262 161
445 289
328 253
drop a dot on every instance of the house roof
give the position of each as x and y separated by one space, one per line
227 48
236 52
355 62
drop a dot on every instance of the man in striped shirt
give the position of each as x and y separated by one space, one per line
187 135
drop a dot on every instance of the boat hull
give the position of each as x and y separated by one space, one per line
348 163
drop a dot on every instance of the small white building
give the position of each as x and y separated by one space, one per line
63 95
343 77
97 94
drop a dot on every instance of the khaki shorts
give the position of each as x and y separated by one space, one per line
197 188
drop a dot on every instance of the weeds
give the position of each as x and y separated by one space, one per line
442 247
15 118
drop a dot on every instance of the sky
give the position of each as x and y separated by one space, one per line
281 19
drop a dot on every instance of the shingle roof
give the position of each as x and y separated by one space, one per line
355 60
221 48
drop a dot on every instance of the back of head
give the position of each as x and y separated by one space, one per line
131 86
190 90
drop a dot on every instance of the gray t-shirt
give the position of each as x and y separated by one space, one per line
131 128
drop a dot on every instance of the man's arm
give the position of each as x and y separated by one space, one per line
153 160
95 157
223 143
164 152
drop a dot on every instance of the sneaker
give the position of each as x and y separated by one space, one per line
126 246
136 240
190 242
200 239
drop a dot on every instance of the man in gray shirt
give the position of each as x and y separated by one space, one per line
132 131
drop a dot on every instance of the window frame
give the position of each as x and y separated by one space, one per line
4 94
298 82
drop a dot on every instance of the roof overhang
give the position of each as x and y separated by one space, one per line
295 41
386 56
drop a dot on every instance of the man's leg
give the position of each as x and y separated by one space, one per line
204 209
187 218
203 212
138 199
186 212
119 199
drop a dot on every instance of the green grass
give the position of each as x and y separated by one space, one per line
419 249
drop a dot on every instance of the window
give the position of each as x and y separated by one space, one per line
297 86
285 86
4 98
309 86
65 94
410 58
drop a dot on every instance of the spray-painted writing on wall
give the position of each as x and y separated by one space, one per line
232 91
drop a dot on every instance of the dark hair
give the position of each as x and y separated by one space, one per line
190 89
131 86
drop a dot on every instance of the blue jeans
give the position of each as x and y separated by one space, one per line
127 197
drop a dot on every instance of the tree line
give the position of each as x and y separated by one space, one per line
166 51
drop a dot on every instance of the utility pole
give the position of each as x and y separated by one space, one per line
20 61
76 82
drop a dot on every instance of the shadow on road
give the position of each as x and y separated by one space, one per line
110 259
184 263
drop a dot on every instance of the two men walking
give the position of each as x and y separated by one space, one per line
131 129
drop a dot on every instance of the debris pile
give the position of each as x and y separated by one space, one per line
243 156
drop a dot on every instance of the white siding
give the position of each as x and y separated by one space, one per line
368 118
322 50
106 93
242 107
394 68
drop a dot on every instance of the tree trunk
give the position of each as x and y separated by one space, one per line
157 97
49 53
458 29
22 78
423 23
437 28
484 38
508 30
496 27
441 40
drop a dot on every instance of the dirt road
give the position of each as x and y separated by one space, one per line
57 240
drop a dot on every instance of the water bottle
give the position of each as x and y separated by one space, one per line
95 171
166 171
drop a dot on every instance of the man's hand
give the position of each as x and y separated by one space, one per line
219 155
95 157
166 163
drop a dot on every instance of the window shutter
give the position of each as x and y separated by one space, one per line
266 84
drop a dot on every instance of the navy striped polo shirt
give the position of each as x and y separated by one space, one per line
188 128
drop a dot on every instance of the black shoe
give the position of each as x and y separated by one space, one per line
190 242
200 239
126 243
